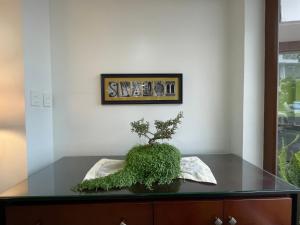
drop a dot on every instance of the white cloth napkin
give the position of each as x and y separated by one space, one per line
192 168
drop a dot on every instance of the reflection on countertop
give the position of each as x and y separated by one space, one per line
234 176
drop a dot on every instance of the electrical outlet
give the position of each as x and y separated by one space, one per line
47 100
36 98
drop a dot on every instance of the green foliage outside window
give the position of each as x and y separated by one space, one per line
289 170
287 92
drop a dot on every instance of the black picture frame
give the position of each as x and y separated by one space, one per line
163 88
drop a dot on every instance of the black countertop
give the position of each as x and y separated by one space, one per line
235 177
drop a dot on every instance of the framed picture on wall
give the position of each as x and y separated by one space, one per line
141 88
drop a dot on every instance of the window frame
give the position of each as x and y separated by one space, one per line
271 73
272 50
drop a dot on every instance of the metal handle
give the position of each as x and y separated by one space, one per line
123 223
218 221
232 220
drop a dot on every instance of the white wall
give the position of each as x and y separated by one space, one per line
236 34
37 57
246 71
253 113
217 45
94 37
12 128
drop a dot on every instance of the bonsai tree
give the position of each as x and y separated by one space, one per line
164 129
144 164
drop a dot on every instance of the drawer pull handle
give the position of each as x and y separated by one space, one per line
232 220
218 221
123 223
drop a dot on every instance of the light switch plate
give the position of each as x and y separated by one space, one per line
47 100
36 98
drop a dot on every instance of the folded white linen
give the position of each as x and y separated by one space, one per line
192 168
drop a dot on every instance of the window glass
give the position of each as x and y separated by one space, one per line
290 10
288 153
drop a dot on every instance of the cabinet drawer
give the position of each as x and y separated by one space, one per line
81 214
187 212
268 211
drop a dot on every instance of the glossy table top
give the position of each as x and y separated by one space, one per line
235 177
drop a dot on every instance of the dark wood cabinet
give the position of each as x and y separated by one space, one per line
254 211
259 211
81 214
270 211
48 198
187 212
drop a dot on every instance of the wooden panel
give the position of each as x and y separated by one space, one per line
81 214
31 215
276 211
187 212
271 73
292 46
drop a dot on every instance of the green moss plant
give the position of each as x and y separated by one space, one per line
149 164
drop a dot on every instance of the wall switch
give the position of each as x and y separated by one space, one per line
36 98
47 100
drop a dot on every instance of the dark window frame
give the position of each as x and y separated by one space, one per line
271 71
272 49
